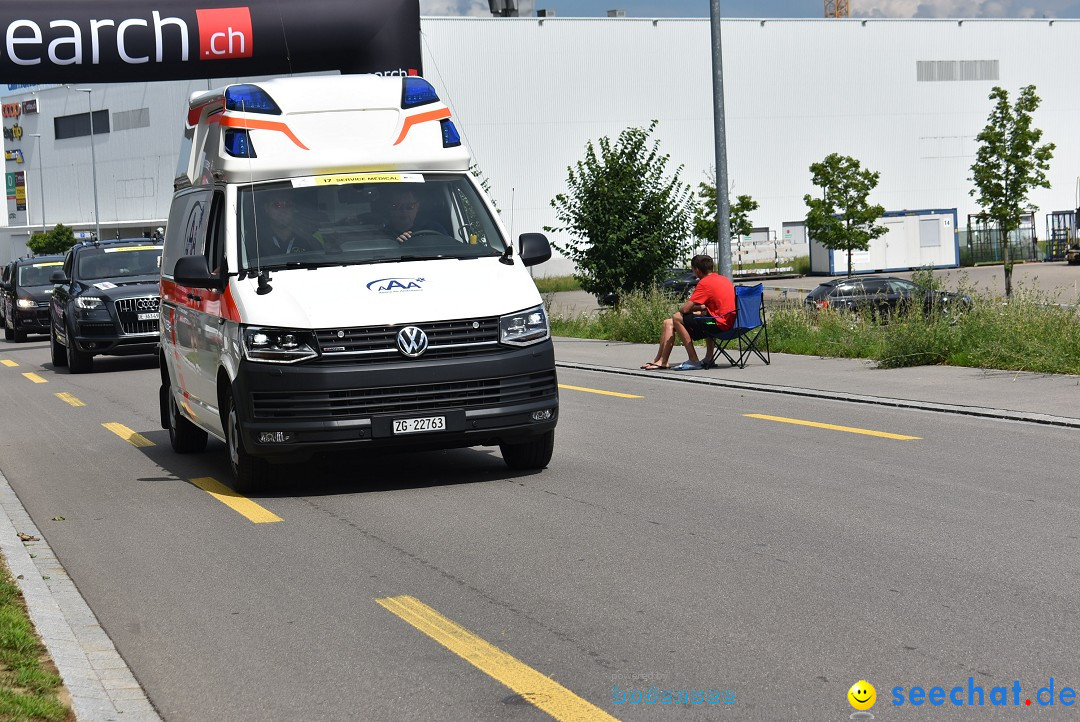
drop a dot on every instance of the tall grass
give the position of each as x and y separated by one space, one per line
1027 333
556 284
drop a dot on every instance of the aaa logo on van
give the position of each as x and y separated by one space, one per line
396 285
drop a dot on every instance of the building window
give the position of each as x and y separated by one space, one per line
77 126
128 119
930 71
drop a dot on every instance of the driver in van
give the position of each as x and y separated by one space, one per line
399 207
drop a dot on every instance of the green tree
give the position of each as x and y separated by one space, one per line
1009 164
58 240
705 214
628 221
842 219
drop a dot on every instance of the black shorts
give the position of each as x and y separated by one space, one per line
699 326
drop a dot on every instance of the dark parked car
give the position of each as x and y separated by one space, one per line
883 294
678 282
106 302
24 296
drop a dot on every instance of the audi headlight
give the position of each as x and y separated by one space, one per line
26 303
88 302
524 327
278 345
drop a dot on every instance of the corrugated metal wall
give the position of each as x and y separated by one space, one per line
531 92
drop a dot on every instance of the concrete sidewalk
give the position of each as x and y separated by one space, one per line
1021 396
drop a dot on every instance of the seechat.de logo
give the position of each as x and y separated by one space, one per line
396 285
224 33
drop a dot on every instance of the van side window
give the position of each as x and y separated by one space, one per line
186 236
215 235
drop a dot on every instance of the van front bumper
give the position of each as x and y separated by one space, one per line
483 400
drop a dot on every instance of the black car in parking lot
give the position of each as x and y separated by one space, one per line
882 294
106 301
25 293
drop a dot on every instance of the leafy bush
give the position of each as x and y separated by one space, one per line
627 220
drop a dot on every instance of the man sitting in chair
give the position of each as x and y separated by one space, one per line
713 300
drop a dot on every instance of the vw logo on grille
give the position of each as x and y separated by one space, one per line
146 304
412 341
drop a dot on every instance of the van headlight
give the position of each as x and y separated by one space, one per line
278 345
26 303
524 327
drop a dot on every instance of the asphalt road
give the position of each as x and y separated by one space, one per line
674 541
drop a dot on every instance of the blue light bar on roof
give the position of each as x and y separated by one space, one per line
450 136
250 99
417 91
238 143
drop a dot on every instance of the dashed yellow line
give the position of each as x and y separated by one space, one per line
535 688
132 437
35 378
69 399
8 362
240 504
834 427
598 391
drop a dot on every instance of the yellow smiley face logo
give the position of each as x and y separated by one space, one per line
862 695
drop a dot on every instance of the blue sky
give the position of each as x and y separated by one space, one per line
776 8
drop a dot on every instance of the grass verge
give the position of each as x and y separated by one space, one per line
29 685
1029 333
556 284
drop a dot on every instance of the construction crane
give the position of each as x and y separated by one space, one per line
837 9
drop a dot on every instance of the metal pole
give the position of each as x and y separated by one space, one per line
723 211
41 178
93 159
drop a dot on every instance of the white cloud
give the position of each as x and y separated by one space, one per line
959 8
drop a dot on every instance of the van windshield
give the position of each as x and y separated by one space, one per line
363 218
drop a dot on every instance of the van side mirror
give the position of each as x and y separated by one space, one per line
193 272
533 248
58 277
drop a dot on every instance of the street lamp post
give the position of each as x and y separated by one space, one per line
93 159
41 176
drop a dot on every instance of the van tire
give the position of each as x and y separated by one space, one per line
249 473
20 336
532 454
59 353
9 332
77 361
185 437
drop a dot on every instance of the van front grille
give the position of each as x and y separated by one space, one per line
361 403
376 344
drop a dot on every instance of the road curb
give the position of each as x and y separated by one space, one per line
959 409
98 679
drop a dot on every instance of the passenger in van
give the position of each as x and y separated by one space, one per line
281 232
399 208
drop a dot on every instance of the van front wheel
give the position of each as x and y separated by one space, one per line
249 472
532 454
185 437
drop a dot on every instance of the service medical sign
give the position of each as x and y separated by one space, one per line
112 41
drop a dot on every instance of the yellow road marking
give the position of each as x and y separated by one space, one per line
834 427
240 504
535 688
9 363
132 437
69 399
597 391
35 378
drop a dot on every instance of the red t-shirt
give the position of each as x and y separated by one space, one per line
717 294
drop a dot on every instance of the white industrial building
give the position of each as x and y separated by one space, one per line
905 97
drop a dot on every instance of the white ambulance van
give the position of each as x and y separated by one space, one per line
334 278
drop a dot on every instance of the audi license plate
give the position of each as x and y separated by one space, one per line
148 317
422 423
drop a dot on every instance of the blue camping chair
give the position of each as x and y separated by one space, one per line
750 332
